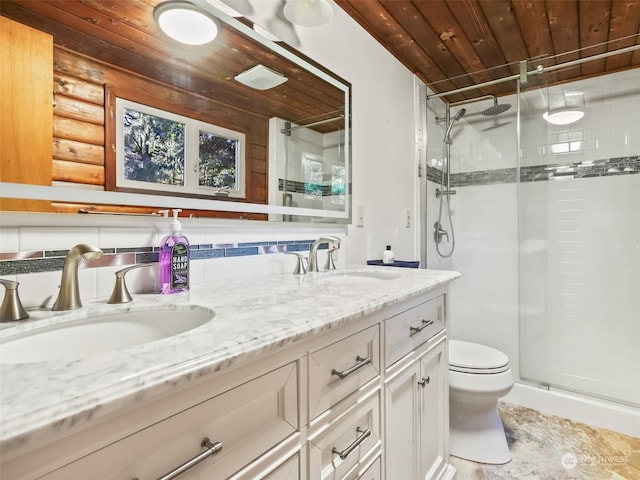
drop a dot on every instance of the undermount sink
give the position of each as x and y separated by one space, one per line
85 337
358 277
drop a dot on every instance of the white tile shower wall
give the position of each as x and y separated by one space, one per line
583 322
40 289
484 301
610 127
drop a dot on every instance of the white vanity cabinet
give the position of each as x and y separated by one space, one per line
366 400
242 423
345 429
416 394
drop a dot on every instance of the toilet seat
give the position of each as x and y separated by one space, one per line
466 357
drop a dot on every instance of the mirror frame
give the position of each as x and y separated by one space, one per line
76 195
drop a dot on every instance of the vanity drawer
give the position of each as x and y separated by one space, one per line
341 368
408 330
374 472
247 420
342 449
289 470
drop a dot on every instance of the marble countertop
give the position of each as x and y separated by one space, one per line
251 317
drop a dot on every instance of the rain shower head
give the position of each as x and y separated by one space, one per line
496 108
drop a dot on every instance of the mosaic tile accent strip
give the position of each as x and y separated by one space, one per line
587 169
13 263
293 186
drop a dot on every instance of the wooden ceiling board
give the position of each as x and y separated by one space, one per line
425 38
472 21
625 21
488 39
595 18
449 44
504 25
454 39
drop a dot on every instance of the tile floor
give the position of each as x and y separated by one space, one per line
546 447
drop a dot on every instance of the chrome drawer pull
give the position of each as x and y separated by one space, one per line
423 325
347 451
424 381
361 363
211 450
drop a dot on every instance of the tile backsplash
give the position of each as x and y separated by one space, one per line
34 256
13 263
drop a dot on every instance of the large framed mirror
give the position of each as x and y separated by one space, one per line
294 139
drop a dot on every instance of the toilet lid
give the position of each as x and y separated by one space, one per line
469 357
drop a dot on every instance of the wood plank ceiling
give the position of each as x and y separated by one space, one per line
123 33
449 44
452 44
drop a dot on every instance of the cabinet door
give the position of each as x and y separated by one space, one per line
247 420
26 111
402 414
434 416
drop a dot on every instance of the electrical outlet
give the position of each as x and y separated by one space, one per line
407 222
360 219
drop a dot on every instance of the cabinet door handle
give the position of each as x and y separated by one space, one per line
423 325
364 434
424 381
212 449
345 373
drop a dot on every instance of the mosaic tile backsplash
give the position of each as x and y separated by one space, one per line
13 263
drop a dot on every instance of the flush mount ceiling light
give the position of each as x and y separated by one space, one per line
186 23
563 117
261 78
307 13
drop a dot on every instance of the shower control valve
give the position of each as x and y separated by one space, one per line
439 232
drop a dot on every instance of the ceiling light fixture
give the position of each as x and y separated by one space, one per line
186 23
307 13
563 116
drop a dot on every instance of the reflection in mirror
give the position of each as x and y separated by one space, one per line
296 134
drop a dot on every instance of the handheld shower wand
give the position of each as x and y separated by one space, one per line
447 138
438 230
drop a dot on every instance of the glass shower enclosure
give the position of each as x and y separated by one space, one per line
547 230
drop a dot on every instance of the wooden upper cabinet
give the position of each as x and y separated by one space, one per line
26 118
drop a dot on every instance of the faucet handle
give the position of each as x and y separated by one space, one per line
300 269
11 308
120 292
330 264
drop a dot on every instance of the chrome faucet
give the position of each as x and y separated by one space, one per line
334 244
69 295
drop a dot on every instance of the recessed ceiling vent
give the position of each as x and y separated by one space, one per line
261 78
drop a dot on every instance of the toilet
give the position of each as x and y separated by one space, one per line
478 377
